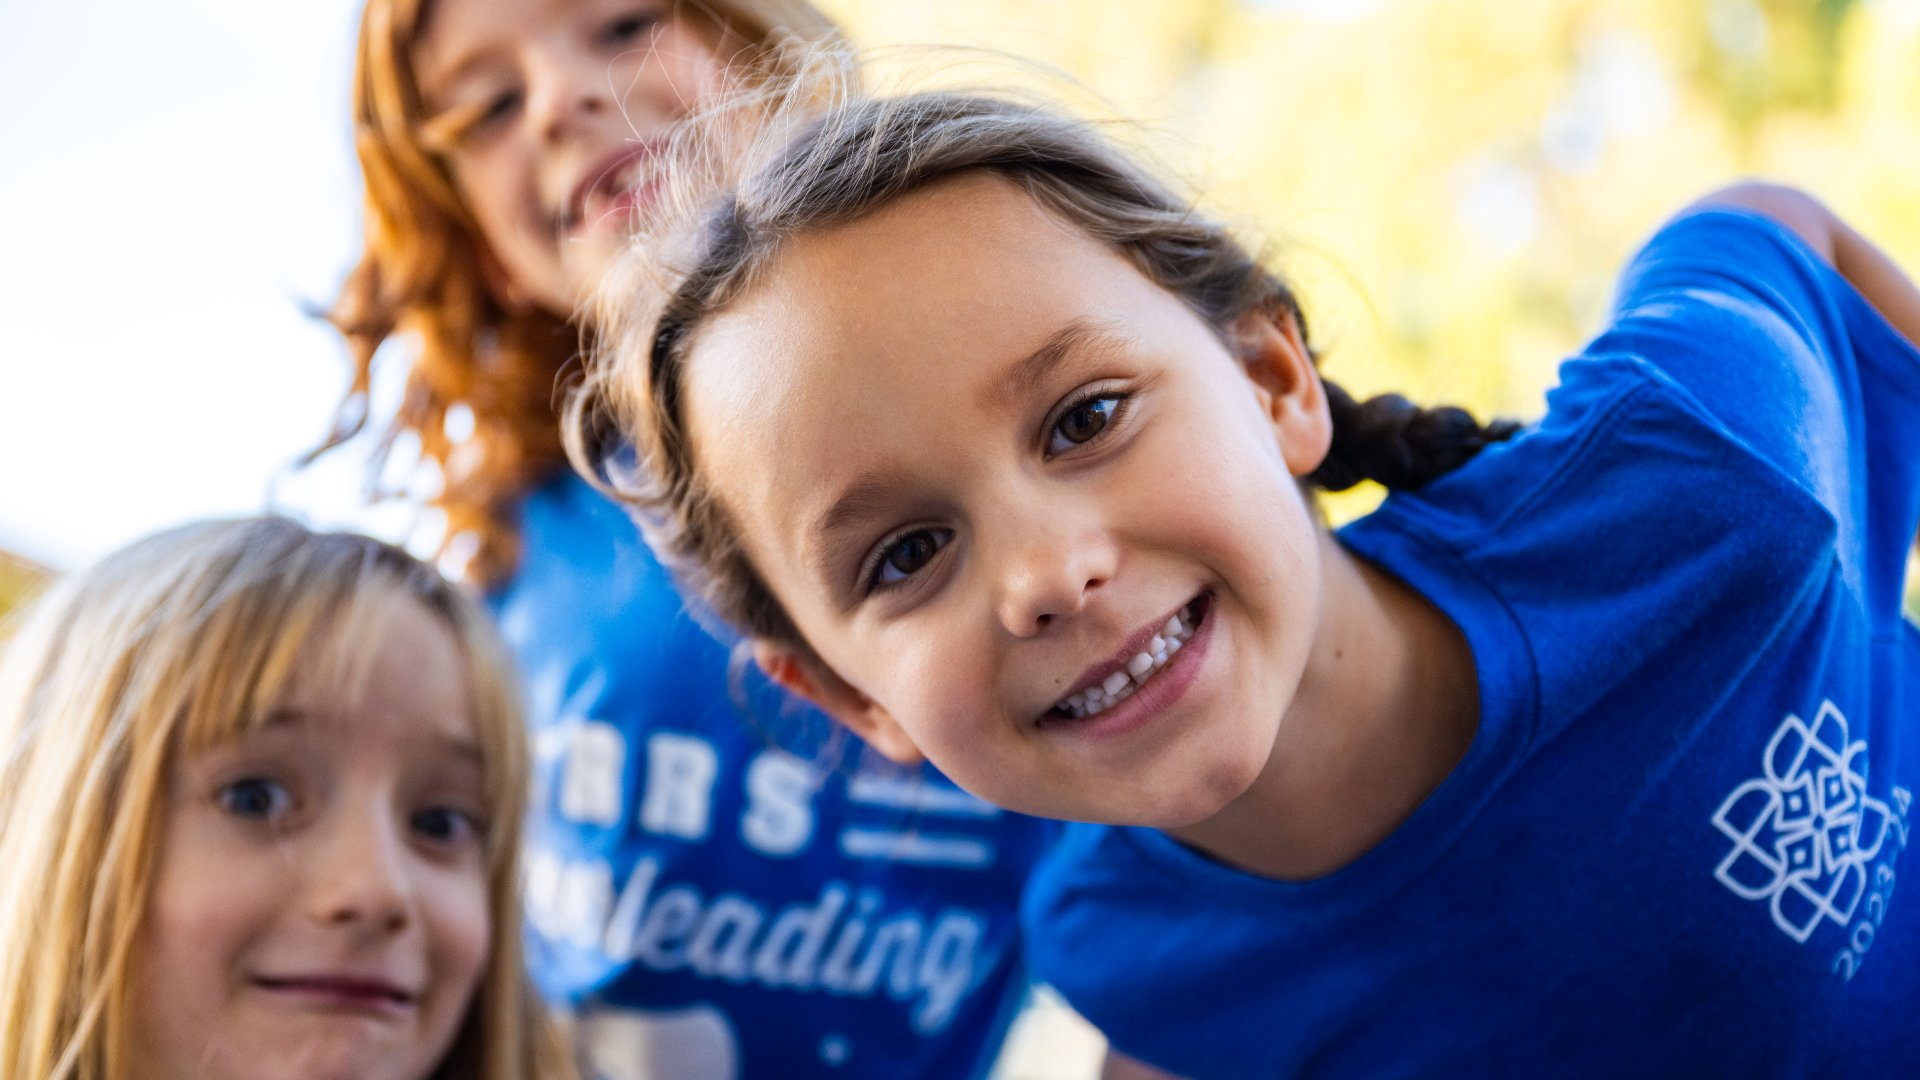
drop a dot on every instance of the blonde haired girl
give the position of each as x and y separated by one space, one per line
710 904
260 799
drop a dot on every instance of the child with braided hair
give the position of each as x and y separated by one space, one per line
1589 751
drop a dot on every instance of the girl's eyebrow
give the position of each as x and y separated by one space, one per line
1027 374
866 496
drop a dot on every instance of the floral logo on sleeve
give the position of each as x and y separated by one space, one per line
1805 831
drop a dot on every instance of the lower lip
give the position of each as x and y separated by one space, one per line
1167 686
335 999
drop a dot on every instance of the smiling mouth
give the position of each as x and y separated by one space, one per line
345 991
1139 670
611 188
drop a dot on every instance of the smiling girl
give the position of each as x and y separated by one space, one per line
1589 751
260 793
709 901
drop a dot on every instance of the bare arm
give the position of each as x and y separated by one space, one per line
1864 265
1118 1066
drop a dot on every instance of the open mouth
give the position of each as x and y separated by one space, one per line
609 189
1139 670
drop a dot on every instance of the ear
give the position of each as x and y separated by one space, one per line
807 677
1287 385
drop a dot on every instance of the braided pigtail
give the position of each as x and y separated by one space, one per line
1398 444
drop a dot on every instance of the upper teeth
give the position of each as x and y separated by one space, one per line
1120 685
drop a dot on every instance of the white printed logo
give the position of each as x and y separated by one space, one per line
1805 833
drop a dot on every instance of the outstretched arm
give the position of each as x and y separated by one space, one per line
1864 265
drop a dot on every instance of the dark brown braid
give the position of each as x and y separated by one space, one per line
1400 445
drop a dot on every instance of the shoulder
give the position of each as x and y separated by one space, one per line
1629 528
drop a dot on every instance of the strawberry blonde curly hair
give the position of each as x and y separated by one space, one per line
420 280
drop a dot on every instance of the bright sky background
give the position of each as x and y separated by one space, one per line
176 184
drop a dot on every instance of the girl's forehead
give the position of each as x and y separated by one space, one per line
382 668
389 660
949 281
920 340
850 322
449 35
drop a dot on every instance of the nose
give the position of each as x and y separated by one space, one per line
361 877
564 91
1051 568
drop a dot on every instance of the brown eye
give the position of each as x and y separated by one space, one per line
906 556
1082 423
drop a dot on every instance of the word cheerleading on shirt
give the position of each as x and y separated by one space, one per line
843 941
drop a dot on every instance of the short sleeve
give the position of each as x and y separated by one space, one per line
1795 363
1746 318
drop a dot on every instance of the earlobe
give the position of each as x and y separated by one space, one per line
806 677
1287 383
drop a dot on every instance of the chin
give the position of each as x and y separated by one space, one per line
1196 797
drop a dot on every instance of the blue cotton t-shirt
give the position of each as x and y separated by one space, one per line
718 893
1676 845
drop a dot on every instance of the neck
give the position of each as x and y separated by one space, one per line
1386 708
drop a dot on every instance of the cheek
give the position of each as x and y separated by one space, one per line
209 900
462 929
488 183
191 948
939 680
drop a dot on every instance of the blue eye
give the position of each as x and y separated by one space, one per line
445 825
255 798
905 556
1083 422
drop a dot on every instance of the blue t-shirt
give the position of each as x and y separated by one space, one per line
719 893
1675 845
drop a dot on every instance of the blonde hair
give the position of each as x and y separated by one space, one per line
184 640
419 278
808 168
